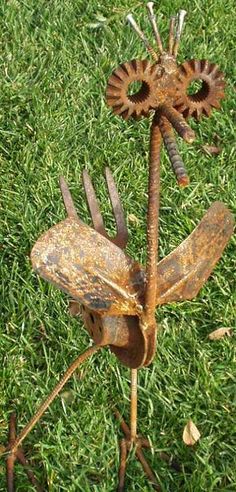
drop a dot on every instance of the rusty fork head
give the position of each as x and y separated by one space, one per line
121 237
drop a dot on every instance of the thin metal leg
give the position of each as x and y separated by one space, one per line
10 461
147 469
24 462
140 442
133 405
123 461
44 406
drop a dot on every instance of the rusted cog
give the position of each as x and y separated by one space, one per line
207 97
145 99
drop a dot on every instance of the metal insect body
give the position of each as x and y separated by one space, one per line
118 297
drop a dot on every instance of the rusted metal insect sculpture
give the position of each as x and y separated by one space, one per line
117 296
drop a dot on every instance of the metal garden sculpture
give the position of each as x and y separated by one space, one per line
118 297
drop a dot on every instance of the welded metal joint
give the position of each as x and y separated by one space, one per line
118 296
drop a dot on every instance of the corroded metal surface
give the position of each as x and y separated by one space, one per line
110 283
173 153
157 86
184 271
118 297
87 266
207 97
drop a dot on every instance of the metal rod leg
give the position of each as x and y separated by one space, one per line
24 462
12 458
123 461
147 469
133 405
44 406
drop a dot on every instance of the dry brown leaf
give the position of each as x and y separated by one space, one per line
191 434
220 333
68 396
74 308
132 218
42 330
2 450
211 149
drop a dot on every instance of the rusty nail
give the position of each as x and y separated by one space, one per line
178 122
174 156
171 34
181 16
152 18
142 36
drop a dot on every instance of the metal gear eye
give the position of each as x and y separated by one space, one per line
118 94
207 96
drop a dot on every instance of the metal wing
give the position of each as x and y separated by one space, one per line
183 272
89 268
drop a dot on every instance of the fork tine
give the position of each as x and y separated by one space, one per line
93 204
122 233
67 198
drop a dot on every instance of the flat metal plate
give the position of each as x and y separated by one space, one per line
183 272
89 268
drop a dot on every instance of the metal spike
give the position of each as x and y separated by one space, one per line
142 36
152 18
181 16
122 231
93 204
172 34
67 198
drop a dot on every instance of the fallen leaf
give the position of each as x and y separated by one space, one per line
42 330
220 333
2 450
133 218
74 308
191 434
68 396
211 149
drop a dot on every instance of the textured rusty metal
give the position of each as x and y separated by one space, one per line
122 468
14 444
89 268
171 34
207 97
178 122
17 455
116 295
10 461
172 150
184 271
139 104
152 18
121 237
139 442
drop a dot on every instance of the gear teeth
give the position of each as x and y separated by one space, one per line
208 96
140 103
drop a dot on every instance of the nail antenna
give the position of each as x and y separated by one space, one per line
172 34
142 36
152 19
181 16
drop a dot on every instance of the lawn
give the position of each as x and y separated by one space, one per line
56 58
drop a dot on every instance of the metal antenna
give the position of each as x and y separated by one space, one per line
152 18
142 36
172 34
181 16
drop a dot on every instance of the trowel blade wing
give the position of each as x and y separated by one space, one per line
183 272
89 268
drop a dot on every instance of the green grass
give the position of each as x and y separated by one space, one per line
56 58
